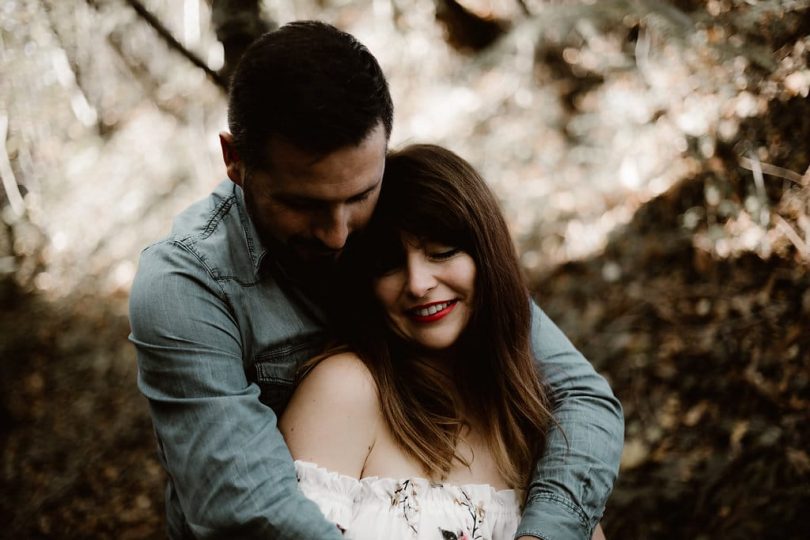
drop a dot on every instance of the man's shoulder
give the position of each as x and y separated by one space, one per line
209 234
201 220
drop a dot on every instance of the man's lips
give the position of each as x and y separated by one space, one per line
431 312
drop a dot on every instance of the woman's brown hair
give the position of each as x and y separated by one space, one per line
434 195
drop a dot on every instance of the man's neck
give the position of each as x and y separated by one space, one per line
313 283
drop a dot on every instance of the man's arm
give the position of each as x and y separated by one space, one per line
231 470
574 477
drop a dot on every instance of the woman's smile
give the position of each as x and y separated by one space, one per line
429 313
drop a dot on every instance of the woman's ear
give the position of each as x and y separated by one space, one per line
233 164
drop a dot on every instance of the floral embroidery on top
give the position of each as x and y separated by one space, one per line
411 509
405 498
475 512
450 535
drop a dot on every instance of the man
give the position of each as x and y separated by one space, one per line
226 308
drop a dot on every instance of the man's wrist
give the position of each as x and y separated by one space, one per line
547 516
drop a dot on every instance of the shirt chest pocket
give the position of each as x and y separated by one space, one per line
275 370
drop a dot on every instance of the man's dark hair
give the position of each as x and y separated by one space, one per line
310 84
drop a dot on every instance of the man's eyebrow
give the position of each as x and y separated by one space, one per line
303 199
299 199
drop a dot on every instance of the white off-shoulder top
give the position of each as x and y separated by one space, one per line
414 508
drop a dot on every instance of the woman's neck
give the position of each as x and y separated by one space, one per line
443 360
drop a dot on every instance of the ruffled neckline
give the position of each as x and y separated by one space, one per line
383 486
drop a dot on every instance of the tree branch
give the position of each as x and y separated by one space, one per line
13 195
167 36
773 170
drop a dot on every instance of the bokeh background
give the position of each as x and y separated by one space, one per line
651 158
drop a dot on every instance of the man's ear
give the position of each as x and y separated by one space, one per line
233 165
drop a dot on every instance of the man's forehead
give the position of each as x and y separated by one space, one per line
279 148
339 175
278 151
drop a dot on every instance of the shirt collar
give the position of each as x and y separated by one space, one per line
256 249
263 264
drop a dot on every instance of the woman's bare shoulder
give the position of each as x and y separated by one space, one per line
333 415
343 369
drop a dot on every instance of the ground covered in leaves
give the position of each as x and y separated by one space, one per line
710 358
652 159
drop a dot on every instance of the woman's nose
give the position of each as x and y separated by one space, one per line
421 279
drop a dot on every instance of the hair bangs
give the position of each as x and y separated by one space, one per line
436 225
416 206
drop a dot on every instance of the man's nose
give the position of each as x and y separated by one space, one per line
332 229
420 278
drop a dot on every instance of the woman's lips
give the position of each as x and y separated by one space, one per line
431 312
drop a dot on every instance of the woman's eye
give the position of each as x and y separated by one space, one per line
443 254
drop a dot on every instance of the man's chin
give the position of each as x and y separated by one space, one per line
309 263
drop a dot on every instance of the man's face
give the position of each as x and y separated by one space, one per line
312 205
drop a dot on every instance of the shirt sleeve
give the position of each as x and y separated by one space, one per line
575 475
229 466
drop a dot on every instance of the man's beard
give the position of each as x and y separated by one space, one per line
310 252
301 260
295 254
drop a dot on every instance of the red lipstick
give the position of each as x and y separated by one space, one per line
417 314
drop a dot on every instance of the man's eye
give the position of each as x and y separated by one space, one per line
360 198
300 205
363 197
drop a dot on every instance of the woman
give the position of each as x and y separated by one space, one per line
428 423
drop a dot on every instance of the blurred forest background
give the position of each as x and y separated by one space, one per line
652 158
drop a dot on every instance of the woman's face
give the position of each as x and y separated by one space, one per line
428 296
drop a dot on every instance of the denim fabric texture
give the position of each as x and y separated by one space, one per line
219 339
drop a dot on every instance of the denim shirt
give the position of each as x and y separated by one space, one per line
219 339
